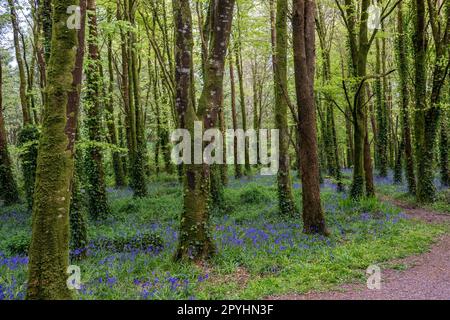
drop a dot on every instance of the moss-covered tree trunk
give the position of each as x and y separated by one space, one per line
195 239
285 198
49 249
426 120
139 155
96 188
403 66
444 148
368 166
45 13
78 205
380 94
8 187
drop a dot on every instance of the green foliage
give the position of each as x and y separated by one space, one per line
254 194
28 144
18 244
130 242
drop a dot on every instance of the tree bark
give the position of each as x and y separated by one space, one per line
285 198
304 61
49 249
195 239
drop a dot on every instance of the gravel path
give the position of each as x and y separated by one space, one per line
427 276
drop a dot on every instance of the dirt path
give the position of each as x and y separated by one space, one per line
427 275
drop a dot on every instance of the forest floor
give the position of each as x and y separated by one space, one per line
425 276
259 253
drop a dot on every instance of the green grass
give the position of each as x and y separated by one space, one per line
259 253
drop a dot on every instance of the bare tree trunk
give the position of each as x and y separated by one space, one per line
304 60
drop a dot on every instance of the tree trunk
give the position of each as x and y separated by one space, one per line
237 166
285 198
49 249
20 65
195 239
96 189
119 174
402 61
8 187
304 61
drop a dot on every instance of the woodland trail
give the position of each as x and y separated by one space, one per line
427 275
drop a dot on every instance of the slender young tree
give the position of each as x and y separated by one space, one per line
237 167
49 249
119 174
20 64
285 198
304 61
8 187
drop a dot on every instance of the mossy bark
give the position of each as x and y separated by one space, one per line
195 240
380 94
96 188
28 142
285 197
403 66
427 113
444 148
139 155
49 249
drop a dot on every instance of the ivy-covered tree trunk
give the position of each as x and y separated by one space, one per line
49 249
403 66
368 167
78 205
195 239
96 189
45 13
359 45
139 155
29 134
427 110
382 134
444 147
78 214
285 198
8 187
304 61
